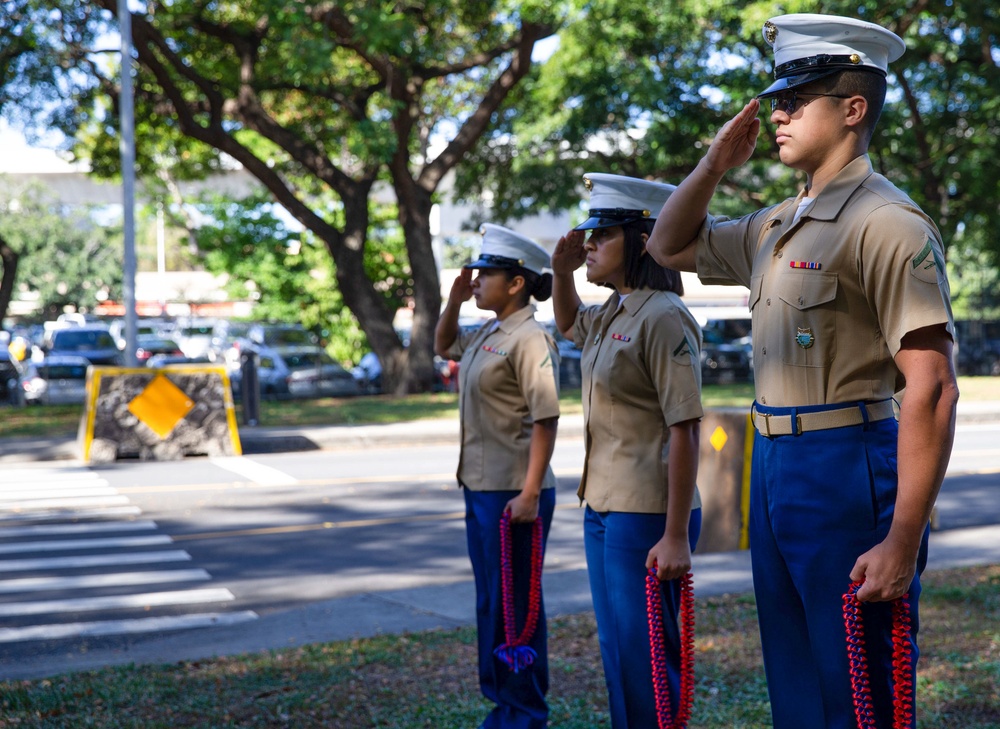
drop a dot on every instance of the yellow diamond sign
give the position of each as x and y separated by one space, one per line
719 438
161 405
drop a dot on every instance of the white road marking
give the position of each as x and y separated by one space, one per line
38 530
26 494
95 560
121 627
116 602
71 544
74 514
109 579
83 501
256 472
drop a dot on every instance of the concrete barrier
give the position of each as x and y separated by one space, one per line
157 414
724 479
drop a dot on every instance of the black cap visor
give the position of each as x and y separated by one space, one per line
612 217
488 261
794 82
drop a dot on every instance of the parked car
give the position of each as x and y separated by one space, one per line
195 337
162 360
59 379
144 325
368 374
93 342
314 373
147 345
227 338
299 371
281 335
10 392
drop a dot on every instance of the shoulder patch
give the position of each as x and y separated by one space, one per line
683 352
927 265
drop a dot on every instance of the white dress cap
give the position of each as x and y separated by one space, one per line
616 199
503 248
810 46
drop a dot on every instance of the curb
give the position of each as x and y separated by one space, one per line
264 439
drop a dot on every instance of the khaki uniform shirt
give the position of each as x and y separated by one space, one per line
641 374
832 295
507 379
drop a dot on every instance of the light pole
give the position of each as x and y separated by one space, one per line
127 150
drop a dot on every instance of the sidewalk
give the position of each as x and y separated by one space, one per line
263 439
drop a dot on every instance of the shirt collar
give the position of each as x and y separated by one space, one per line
513 321
634 301
828 204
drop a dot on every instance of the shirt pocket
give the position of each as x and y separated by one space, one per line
809 317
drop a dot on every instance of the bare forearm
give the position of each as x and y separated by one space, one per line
926 436
682 475
447 327
543 441
565 302
680 220
686 208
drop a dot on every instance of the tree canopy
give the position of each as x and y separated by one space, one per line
36 232
318 100
641 89
325 101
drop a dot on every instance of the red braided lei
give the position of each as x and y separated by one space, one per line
902 701
516 652
658 651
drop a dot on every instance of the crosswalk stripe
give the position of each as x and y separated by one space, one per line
75 514
93 560
57 481
63 493
44 477
109 500
121 627
71 544
112 602
37 530
108 579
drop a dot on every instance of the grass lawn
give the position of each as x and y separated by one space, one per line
428 679
63 420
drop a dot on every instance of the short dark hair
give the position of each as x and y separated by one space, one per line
641 271
868 84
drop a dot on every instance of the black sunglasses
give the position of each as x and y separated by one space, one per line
788 102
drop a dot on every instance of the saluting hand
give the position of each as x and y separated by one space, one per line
461 287
736 141
569 253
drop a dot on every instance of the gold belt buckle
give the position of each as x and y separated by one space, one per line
767 424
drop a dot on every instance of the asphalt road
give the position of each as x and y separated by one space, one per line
108 558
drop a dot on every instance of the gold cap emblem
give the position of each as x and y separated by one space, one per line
855 58
588 183
770 32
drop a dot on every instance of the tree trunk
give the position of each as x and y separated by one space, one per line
9 257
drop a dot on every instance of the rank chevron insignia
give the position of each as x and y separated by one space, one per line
921 258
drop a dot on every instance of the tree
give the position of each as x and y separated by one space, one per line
640 89
289 273
316 100
61 256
